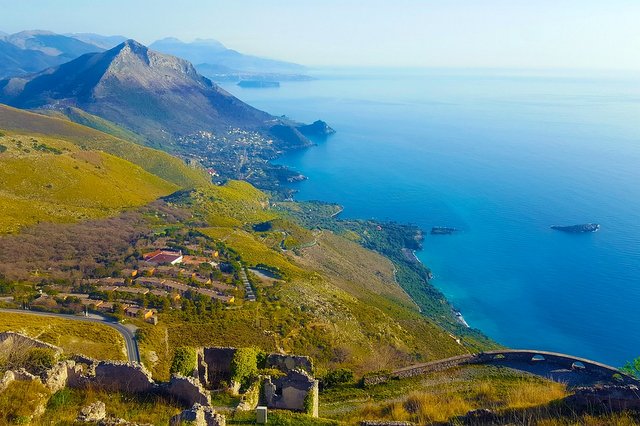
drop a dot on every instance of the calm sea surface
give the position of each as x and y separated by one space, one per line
502 157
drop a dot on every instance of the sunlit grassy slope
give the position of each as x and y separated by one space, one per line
439 398
337 301
153 161
74 337
46 179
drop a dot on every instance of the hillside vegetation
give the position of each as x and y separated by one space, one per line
52 180
155 162
94 340
441 397
335 300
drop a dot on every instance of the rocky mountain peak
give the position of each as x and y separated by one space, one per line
131 48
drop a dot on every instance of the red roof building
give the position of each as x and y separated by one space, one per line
160 257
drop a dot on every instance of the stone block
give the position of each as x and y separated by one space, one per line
261 415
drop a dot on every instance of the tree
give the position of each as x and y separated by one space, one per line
632 368
185 361
244 366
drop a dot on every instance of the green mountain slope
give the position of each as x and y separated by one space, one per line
45 179
156 162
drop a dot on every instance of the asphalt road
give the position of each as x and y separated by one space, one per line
129 337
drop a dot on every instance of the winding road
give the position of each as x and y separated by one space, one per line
568 369
133 354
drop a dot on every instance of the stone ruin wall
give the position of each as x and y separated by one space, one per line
288 363
214 364
10 339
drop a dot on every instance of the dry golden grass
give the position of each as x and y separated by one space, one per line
52 180
442 397
531 395
75 337
153 161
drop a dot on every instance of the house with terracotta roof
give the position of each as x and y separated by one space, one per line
163 257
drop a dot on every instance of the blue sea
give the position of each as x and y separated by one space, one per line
500 155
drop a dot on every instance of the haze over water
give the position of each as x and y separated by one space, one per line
502 157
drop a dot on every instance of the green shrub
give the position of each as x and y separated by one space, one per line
2 149
632 368
272 372
185 361
39 360
63 398
308 403
244 366
337 377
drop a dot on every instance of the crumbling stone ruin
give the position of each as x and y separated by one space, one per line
121 376
113 376
295 391
214 364
93 413
11 341
199 415
287 363
189 390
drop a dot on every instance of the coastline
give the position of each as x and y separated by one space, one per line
458 315
415 277
376 168
335 215
460 318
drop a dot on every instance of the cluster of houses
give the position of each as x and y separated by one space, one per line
162 276
224 154
162 273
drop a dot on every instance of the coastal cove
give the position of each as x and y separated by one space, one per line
500 157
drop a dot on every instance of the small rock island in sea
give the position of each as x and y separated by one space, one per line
578 229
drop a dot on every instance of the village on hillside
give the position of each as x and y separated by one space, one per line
167 273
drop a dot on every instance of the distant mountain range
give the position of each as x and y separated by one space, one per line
27 52
167 102
52 44
17 61
216 61
31 51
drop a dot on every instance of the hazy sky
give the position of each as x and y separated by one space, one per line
596 34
